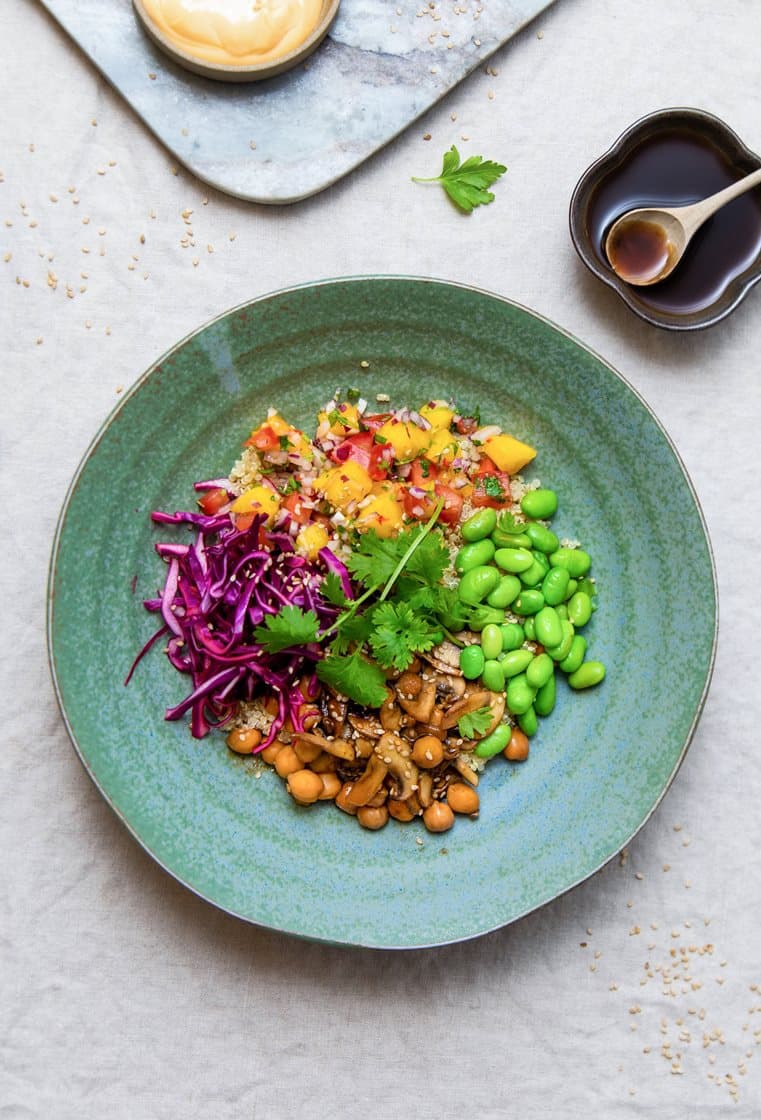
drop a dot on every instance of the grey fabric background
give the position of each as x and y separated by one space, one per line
122 994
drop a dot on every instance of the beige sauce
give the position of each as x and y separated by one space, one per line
235 32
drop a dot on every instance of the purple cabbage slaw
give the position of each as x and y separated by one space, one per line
217 589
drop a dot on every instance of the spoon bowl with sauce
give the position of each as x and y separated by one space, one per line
644 246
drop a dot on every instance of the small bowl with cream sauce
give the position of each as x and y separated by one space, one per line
237 40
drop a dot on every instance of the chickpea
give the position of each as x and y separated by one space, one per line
438 817
341 801
399 810
304 786
244 740
372 816
517 749
331 786
287 762
379 798
323 764
427 752
409 685
462 799
270 753
307 752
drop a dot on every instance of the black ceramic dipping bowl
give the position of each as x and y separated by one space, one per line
670 158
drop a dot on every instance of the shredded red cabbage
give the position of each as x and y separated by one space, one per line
218 588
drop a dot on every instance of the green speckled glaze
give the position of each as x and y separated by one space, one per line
600 763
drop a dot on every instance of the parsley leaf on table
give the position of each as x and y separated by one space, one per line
399 633
291 627
466 183
474 723
354 677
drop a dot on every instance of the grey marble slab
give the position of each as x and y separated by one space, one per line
383 64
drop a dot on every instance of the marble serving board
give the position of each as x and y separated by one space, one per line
382 65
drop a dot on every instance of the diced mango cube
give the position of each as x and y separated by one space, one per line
442 447
342 419
508 454
406 438
437 413
311 539
259 499
341 485
383 513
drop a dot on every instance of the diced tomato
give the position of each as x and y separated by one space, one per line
213 500
491 488
264 439
466 425
299 513
422 472
450 513
372 423
361 447
422 507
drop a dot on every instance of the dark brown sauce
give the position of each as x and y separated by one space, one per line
671 168
639 250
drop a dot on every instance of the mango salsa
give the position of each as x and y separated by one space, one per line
508 454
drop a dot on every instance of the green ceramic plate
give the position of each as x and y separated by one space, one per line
600 763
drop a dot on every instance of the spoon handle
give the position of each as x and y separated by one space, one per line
696 213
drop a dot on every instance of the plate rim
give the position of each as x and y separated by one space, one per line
364 942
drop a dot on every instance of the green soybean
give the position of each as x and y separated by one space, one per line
544 701
516 662
477 583
520 695
491 641
587 675
528 722
561 609
479 525
528 602
542 538
494 743
533 576
576 561
540 670
492 676
548 627
510 540
483 615
574 659
571 589
580 608
563 648
539 504
554 586
508 589
588 586
513 559
513 636
528 628
472 662
474 556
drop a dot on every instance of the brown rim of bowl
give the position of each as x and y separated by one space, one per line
256 73
733 148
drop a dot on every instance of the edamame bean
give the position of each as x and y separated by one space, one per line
528 602
479 525
508 589
493 677
571 589
540 670
483 615
528 722
474 556
588 586
494 743
544 701
510 540
578 648
539 504
542 538
548 627
561 651
516 662
513 559
472 662
561 609
491 641
534 575
587 675
520 695
477 583
513 636
580 609
528 628
554 586
576 561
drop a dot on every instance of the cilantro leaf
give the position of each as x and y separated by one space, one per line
466 183
332 590
353 631
399 633
507 524
429 560
354 677
492 486
473 724
376 558
291 627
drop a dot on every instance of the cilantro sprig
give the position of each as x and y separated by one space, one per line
466 183
473 724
